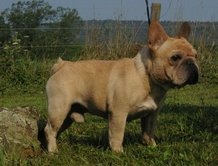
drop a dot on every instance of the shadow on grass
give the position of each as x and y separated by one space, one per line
41 123
177 123
99 140
200 118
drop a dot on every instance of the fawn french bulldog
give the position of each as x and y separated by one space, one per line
120 90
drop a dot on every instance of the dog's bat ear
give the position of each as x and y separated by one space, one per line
185 30
156 34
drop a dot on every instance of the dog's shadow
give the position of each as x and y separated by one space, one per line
99 140
41 123
200 118
190 122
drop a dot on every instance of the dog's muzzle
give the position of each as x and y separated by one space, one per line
193 72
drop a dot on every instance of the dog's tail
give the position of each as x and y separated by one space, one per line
57 66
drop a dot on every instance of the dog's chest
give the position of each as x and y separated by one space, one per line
143 108
150 104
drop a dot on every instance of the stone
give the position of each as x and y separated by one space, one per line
19 131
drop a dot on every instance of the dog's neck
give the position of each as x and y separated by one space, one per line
143 64
143 61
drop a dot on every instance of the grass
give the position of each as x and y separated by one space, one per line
186 134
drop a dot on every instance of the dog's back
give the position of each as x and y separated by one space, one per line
84 82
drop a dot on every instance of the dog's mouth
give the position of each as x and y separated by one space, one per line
188 73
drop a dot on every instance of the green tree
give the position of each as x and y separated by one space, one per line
39 25
25 16
68 26
4 31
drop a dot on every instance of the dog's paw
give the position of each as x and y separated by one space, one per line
149 141
117 149
52 149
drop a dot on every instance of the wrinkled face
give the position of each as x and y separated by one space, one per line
174 63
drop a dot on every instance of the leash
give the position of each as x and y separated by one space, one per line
148 15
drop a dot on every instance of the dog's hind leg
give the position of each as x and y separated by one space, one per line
57 122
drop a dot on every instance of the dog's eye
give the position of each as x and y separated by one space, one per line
176 57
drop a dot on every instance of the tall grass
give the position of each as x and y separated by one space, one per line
19 72
114 41
206 46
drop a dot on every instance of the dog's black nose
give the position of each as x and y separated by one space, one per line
193 72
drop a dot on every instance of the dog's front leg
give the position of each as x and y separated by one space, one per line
148 126
117 123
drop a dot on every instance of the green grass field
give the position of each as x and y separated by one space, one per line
187 134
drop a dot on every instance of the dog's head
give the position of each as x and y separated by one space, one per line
173 61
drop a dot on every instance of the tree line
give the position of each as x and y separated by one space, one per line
37 24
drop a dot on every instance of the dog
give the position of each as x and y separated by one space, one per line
121 90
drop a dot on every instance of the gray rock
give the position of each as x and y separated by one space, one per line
19 131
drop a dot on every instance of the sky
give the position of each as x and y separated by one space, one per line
171 10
